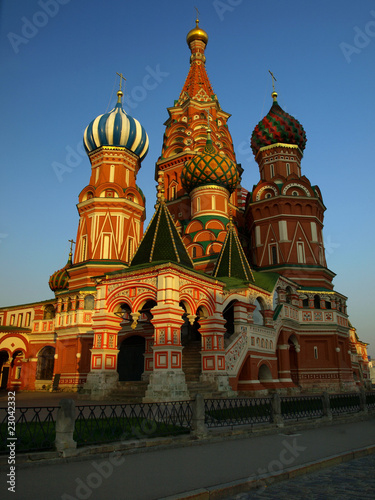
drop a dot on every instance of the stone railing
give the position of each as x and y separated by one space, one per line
236 352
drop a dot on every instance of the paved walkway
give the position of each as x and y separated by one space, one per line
152 474
350 480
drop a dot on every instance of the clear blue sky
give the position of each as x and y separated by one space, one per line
59 71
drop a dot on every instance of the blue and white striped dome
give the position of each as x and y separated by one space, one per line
116 128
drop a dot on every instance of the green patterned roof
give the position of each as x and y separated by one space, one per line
277 127
232 261
59 279
209 167
161 241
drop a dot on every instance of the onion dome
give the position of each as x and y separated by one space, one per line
197 34
116 128
210 167
277 126
59 279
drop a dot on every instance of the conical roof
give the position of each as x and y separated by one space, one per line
161 241
232 261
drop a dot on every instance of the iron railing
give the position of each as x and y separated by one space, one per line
344 403
301 407
34 428
370 400
239 411
121 422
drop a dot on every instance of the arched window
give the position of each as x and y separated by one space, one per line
89 302
49 312
288 297
46 359
257 316
316 302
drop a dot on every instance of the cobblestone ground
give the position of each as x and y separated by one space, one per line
349 480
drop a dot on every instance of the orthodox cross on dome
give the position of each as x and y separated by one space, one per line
71 251
71 245
196 8
120 92
273 79
121 79
274 93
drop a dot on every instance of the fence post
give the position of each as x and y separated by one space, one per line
276 410
362 399
199 429
65 423
327 412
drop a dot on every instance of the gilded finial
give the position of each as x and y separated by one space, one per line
274 93
120 92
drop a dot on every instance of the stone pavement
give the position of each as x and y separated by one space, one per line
350 480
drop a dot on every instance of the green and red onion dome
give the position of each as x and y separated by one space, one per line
59 279
209 167
277 127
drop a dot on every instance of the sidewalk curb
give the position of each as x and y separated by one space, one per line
223 491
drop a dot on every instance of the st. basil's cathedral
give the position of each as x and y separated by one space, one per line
226 292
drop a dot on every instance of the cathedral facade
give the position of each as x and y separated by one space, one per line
227 291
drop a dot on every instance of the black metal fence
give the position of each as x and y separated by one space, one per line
303 407
370 400
35 428
239 411
345 403
105 423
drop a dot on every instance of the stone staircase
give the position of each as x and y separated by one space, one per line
191 365
191 361
129 392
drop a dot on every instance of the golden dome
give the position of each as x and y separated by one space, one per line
197 34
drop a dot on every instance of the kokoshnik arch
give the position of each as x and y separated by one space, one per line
226 291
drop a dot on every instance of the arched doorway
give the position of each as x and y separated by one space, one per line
4 370
264 374
228 315
130 361
191 340
46 361
190 332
